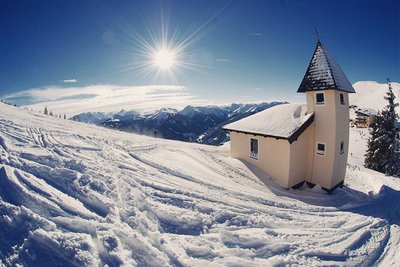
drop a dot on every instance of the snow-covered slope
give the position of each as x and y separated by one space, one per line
370 94
74 194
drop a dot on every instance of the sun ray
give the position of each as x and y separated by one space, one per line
160 53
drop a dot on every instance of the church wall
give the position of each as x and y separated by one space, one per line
342 135
299 158
273 155
331 124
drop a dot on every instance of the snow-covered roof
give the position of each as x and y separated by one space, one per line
282 121
323 73
367 111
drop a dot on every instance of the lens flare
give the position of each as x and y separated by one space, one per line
164 59
161 55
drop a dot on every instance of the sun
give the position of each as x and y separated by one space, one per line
164 59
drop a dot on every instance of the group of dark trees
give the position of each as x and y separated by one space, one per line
383 152
47 112
2 101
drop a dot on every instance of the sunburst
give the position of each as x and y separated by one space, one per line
164 59
161 55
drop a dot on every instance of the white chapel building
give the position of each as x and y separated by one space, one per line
295 143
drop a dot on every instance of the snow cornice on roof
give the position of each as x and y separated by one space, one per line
323 73
290 139
286 122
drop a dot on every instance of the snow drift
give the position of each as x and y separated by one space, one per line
73 194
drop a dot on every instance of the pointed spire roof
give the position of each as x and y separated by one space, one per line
323 73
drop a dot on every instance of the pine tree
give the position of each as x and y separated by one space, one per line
65 117
391 133
374 153
51 113
383 153
45 112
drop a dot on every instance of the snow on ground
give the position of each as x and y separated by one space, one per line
74 194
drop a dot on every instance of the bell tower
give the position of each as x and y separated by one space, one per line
327 88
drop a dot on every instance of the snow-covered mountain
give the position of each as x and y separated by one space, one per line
162 114
75 194
194 124
93 117
370 94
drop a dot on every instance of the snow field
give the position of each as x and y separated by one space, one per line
80 195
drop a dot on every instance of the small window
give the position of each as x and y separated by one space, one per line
320 99
342 147
253 148
342 99
321 149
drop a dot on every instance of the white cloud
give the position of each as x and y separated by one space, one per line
75 100
256 34
70 81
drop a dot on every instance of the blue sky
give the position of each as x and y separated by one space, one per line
233 51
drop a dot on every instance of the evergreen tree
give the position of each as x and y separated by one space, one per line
51 113
45 112
391 134
65 117
383 153
374 153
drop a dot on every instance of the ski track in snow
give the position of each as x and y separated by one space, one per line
79 195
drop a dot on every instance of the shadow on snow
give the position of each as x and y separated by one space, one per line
384 205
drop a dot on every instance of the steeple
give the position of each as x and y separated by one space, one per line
323 73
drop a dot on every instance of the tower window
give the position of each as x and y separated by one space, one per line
342 147
341 99
320 98
321 149
253 148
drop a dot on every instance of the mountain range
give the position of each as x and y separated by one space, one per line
204 124
191 124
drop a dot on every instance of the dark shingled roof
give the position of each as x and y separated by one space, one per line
323 73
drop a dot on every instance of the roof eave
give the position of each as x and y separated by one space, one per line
350 91
301 129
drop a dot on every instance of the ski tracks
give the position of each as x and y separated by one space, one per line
150 202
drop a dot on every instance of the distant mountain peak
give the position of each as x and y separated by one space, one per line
202 124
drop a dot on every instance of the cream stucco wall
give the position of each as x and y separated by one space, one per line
299 157
284 162
331 127
273 154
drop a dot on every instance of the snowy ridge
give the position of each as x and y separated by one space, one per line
80 195
370 94
162 114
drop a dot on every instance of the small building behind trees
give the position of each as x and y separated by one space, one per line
365 117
